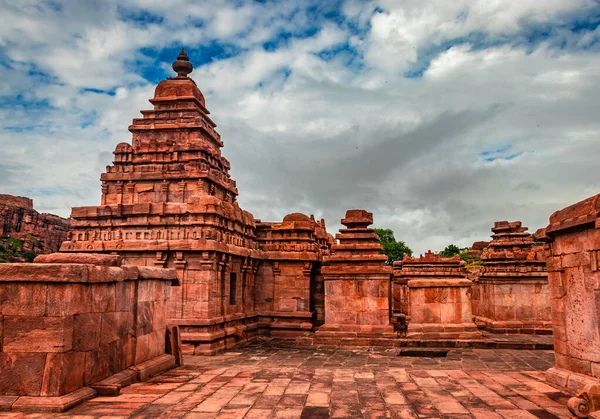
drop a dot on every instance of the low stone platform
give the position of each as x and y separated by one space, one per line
276 379
487 341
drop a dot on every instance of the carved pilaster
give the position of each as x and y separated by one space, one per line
164 189
160 259
307 268
179 261
104 189
119 191
181 186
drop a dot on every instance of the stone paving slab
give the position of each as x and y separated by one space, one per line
276 380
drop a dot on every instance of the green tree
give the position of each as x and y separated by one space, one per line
393 249
450 251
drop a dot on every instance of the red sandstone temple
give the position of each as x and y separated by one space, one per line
180 260
168 201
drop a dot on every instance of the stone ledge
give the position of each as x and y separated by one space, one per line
572 381
53 404
154 366
541 327
438 283
112 385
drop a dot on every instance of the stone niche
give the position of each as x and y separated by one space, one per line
77 325
573 237
511 288
357 283
439 298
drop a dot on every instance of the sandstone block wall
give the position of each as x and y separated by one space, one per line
574 278
69 321
441 308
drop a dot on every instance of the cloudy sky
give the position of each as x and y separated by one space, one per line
438 116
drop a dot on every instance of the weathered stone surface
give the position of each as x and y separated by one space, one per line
438 297
357 282
67 332
574 281
511 293
21 373
37 233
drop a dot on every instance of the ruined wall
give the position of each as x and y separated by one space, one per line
70 321
573 272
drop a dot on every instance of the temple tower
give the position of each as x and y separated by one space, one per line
168 200
357 283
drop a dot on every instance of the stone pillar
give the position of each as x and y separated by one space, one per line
75 325
573 237
357 283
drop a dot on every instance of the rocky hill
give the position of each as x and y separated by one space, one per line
25 233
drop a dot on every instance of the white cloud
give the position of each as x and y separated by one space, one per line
313 134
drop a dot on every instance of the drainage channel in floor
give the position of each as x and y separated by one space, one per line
424 353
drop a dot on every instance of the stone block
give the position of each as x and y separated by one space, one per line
103 298
22 373
63 373
125 296
99 363
37 334
68 299
23 299
87 328
115 325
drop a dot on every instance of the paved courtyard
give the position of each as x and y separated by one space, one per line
269 379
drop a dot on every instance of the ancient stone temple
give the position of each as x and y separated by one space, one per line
168 201
437 297
357 283
290 294
511 291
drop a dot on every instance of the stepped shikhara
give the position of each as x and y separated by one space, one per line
168 201
357 283
512 293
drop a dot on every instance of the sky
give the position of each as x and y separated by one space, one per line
438 116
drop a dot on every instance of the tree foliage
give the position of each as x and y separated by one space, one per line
450 251
393 249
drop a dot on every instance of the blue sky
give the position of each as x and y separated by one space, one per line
440 117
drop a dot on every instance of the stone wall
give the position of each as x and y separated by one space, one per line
574 276
71 321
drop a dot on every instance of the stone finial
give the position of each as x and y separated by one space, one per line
182 66
358 219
